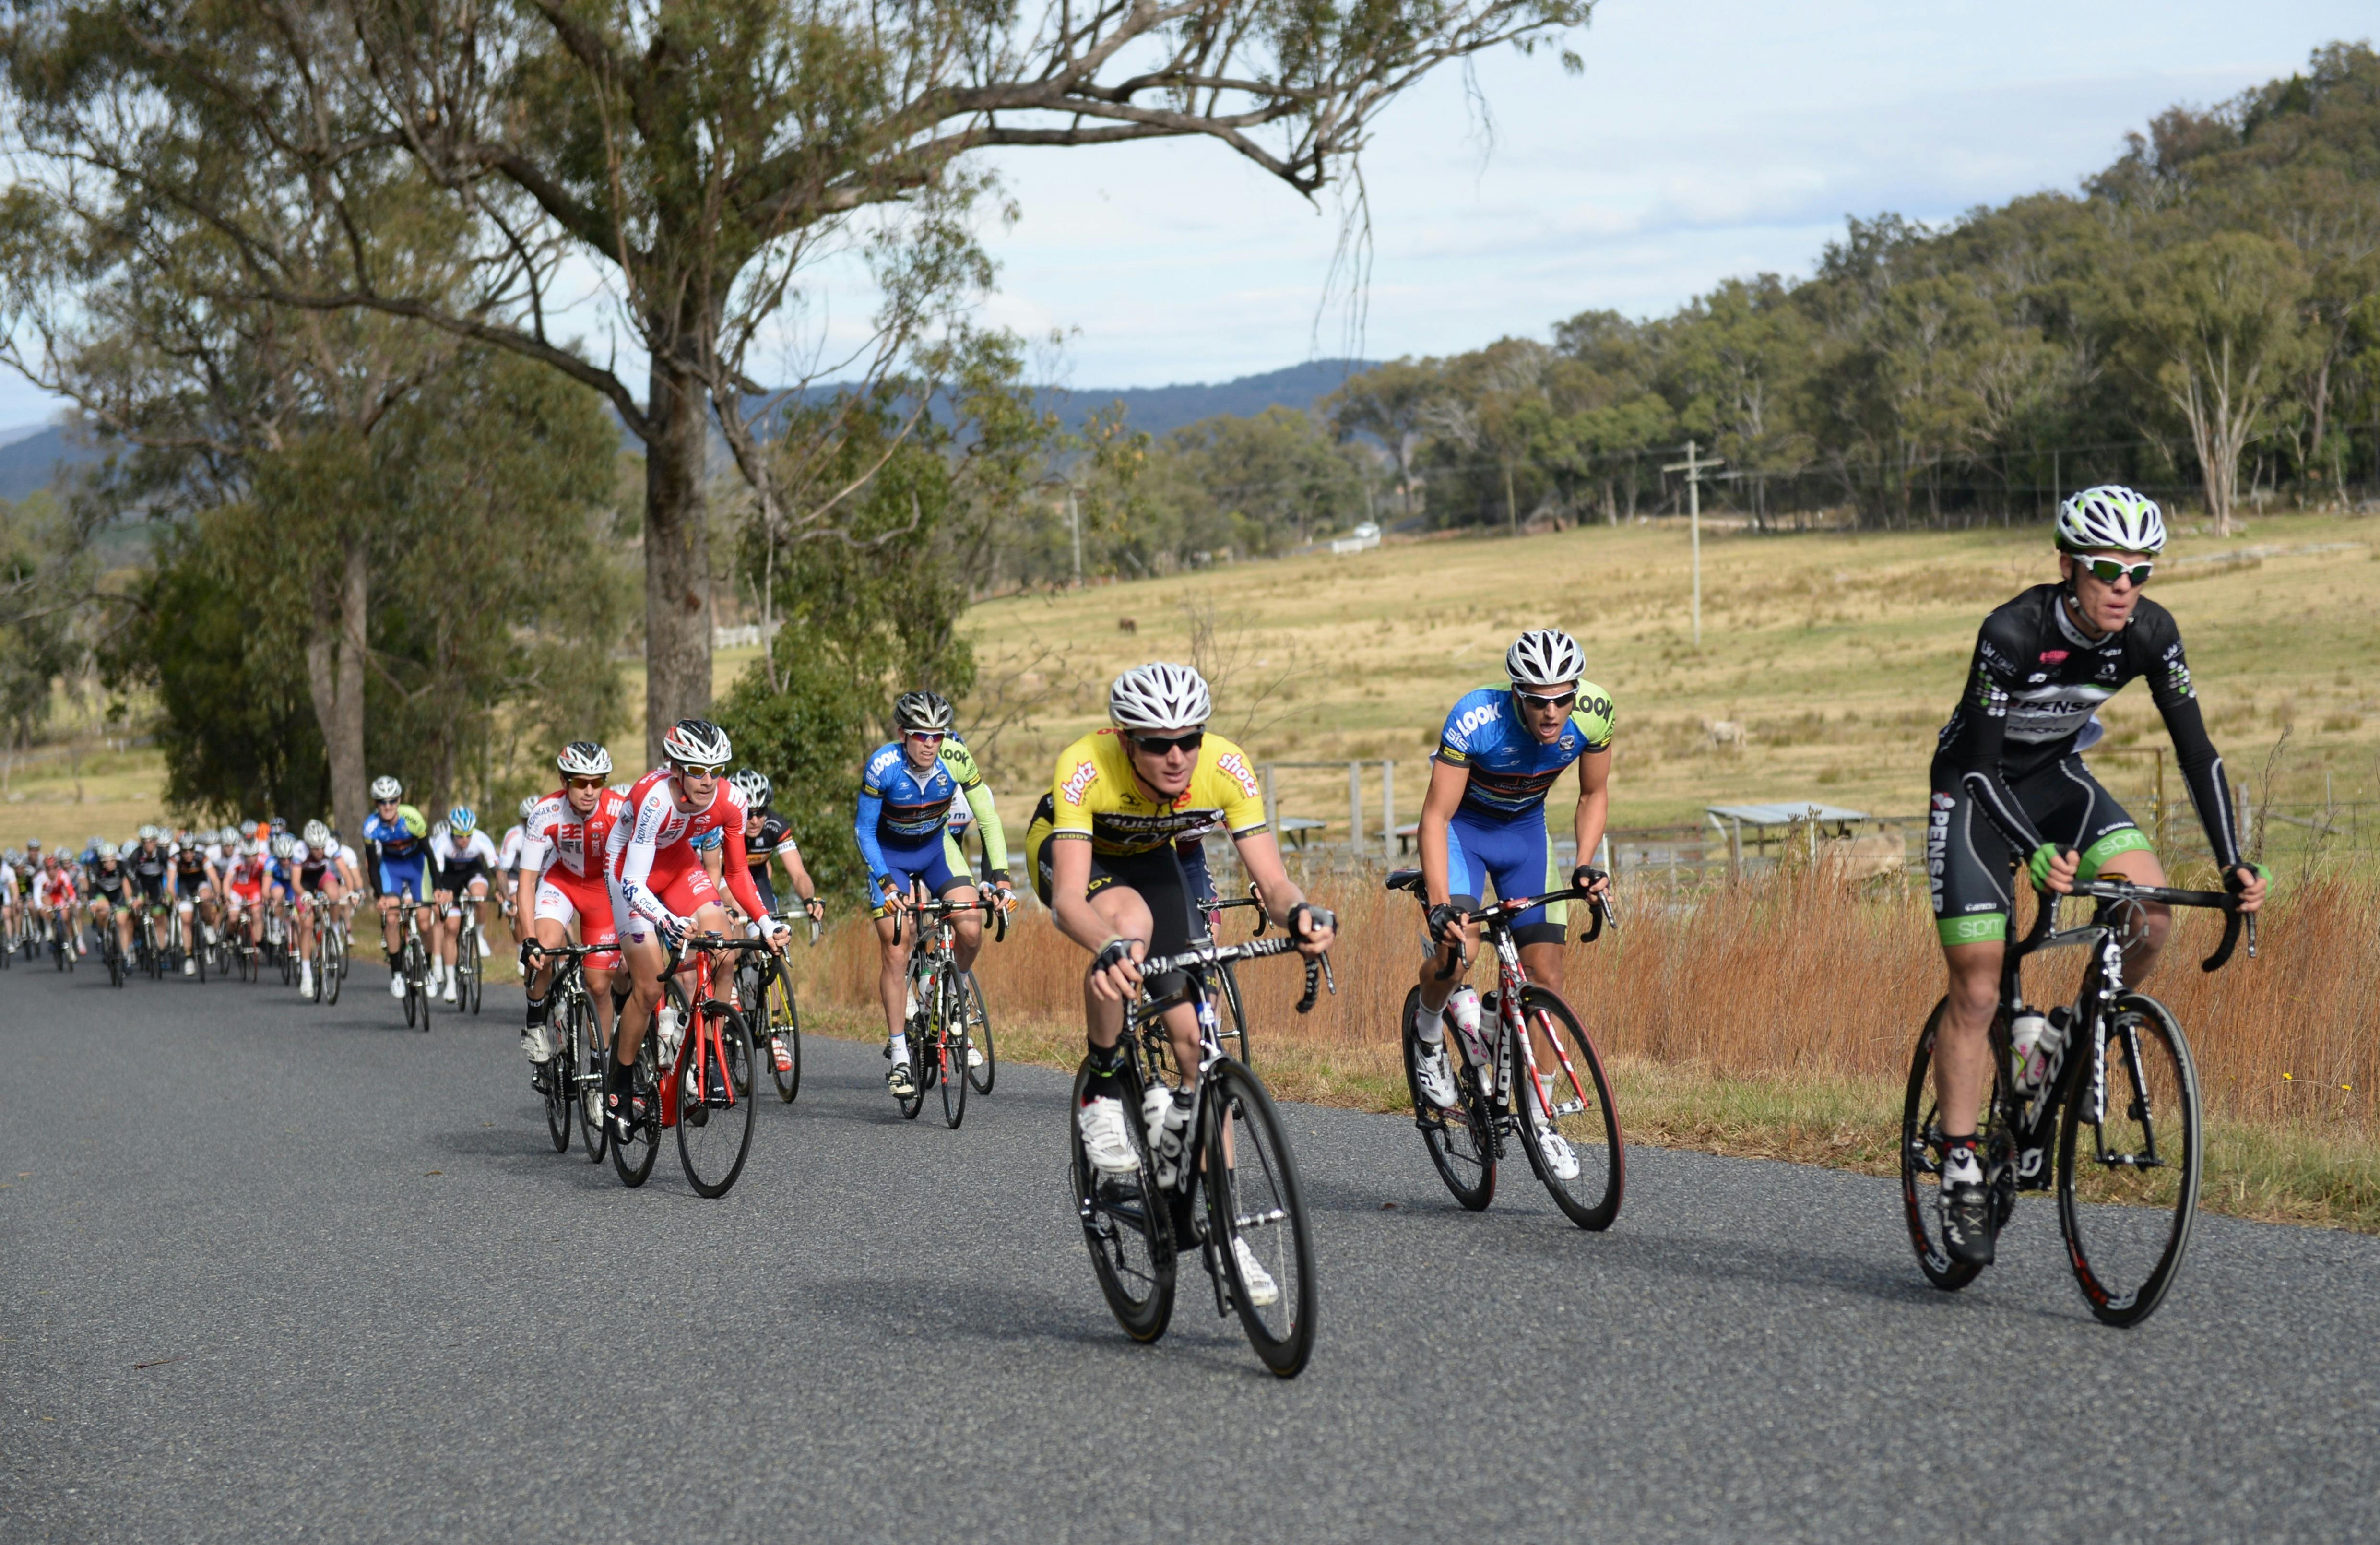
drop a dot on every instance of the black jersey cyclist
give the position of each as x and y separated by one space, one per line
772 842
2043 665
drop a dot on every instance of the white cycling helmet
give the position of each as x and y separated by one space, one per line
1544 657
584 759
698 743
385 788
2110 518
107 852
152 832
922 712
317 835
753 784
284 844
1160 697
527 806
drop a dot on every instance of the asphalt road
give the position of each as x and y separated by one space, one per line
270 1271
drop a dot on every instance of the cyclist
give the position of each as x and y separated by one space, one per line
53 900
564 847
110 886
774 838
462 858
397 862
658 884
151 864
11 909
244 875
321 875
508 866
1101 848
195 879
2043 665
904 802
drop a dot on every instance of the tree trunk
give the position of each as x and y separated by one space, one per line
677 558
335 675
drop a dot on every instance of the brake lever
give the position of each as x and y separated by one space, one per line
1313 975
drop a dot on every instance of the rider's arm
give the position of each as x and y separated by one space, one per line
2201 765
636 861
1443 797
987 820
1261 855
798 874
1983 733
1593 801
739 867
1070 875
869 811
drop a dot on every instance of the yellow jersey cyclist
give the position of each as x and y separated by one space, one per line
1101 846
1483 821
905 793
2043 665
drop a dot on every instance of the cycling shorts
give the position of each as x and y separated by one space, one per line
398 876
927 864
458 879
247 895
1517 857
1175 925
1195 872
684 891
189 886
565 898
1969 865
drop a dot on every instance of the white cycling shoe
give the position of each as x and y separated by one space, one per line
1435 1078
450 987
305 978
396 984
537 1043
483 947
1262 1289
1106 1137
901 1081
1555 1149
974 1054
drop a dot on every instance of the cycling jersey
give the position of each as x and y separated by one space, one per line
651 862
8 881
1095 795
149 867
1511 769
508 852
110 881
402 837
558 839
457 864
903 809
312 865
52 888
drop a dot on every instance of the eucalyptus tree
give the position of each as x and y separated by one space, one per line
699 158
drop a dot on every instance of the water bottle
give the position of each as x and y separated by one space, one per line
665 1027
1463 1007
2029 1051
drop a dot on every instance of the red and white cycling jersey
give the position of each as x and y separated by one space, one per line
248 876
52 887
653 848
556 836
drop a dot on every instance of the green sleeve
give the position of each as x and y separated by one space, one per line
987 820
1595 716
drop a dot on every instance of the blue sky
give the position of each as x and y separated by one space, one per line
1706 138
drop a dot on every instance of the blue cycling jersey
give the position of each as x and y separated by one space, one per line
399 838
901 808
1511 769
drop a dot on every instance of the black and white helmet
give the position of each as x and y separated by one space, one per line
385 788
317 837
697 743
585 758
1543 657
922 712
527 806
754 785
1161 697
2110 518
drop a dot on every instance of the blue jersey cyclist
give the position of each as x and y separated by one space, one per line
1483 822
905 796
396 862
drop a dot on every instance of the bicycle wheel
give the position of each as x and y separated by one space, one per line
920 1030
984 1072
950 1047
1234 1034
633 1155
198 949
334 965
469 967
1461 1142
785 1025
1126 1226
1253 1198
715 1123
587 1076
1574 1101
1921 1155
2127 1199
560 1085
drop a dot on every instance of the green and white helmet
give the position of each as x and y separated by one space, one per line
2110 518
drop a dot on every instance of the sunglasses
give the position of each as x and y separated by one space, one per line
1157 744
2107 571
686 772
1532 700
585 782
932 737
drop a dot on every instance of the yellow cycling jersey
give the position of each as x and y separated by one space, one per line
1096 796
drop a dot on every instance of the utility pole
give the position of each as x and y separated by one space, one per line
1693 470
1074 524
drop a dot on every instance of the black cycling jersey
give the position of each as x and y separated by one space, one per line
109 881
190 863
2034 683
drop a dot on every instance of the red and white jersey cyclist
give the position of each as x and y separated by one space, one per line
658 878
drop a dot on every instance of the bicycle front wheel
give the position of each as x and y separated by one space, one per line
1234 1033
950 1049
1461 1142
633 1156
561 1085
714 1122
786 1026
1255 1218
2129 1163
587 1071
1574 1138
1126 1226
983 1068
1921 1154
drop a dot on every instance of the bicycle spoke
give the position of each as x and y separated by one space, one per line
715 1121
1255 1207
2128 1181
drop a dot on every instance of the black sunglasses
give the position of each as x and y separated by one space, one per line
585 782
1157 744
2107 571
1531 699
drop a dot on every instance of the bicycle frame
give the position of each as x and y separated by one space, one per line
701 1039
1512 984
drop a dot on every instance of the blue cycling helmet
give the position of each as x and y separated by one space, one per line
462 821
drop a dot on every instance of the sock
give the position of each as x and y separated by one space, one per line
900 1046
536 1012
1105 1062
1959 1153
1430 1028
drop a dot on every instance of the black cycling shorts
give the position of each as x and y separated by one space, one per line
1969 865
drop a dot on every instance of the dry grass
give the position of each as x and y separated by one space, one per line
1775 1020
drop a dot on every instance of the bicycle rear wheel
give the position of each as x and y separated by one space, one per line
714 1122
785 1026
979 1036
1576 1102
1921 1155
1253 1197
587 1076
633 1156
560 1085
1126 1226
921 1029
1461 1142
469 967
2127 1199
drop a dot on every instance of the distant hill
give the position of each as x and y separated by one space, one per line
1161 409
30 461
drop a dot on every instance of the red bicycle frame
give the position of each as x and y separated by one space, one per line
701 1041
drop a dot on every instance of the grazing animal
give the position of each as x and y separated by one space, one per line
1126 624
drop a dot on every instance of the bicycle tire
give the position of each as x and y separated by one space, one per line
1592 1198
979 1036
1239 1015
915 1100
417 980
950 1048
1127 1228
198 953
472 970
633 1156
560 1085
714 1137
586 1069
785 1024
334 970
2124 1262
1461 1142
1253 1194
1921 1154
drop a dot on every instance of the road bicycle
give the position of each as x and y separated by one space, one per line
764 990
1234 1030
111 951
413 961
707 1046
2118 1068
7 940
571 1080
1565 1117
62 941
471 972
940 1047
331 948
1235 1161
